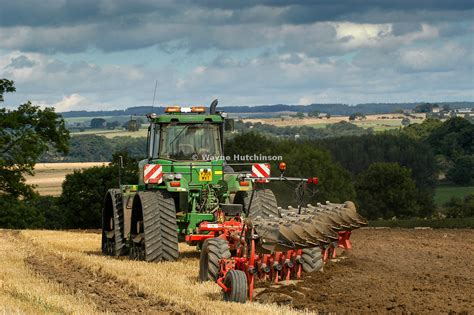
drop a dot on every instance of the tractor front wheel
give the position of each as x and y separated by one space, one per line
236 282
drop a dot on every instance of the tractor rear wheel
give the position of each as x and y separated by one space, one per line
236 281
153 230
113 239
213 250
263 204
312 259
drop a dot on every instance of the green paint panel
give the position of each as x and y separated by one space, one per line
190 221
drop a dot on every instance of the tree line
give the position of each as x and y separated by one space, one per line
388 175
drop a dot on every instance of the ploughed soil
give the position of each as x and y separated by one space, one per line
106 292
389 271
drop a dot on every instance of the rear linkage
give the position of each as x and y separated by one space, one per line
274 248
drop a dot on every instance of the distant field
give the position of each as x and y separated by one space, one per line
112 133
50 176
377 122
444 193
83 119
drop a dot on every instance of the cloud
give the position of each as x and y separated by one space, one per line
21 62
72 102
108 53
76 26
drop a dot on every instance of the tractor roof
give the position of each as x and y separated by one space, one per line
186 118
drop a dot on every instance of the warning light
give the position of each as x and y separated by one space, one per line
282 166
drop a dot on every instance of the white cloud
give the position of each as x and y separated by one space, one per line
434 58
73 102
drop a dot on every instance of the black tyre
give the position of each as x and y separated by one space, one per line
113 239
236 281
213 250
153 230
312 259
263 204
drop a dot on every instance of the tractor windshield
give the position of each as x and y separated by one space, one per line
190 141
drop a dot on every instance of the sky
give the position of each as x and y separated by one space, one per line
108 54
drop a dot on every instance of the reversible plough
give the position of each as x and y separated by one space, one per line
274 248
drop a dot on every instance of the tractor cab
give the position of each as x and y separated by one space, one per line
185 137
195 141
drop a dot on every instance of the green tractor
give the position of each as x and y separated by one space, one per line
183 182
187 192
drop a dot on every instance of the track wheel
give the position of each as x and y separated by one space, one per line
213 250
153 229
263 204
236 281
113 239
312 259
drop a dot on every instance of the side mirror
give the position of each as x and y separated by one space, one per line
228 124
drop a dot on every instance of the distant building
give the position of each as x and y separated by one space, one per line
463 112
435 109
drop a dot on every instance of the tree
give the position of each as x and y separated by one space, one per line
84 190
422 131
462 173
97 123
314 113
424 108
458 208
112 125
25 134
386 190
454 138
6 86
303 160
86 148
405 121
355 116
356 154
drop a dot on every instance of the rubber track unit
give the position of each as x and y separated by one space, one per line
159 225
117 212
312 259
213 250
264 203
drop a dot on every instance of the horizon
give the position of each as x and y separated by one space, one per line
101 55
377 109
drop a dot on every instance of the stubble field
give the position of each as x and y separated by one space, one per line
399 271
49 177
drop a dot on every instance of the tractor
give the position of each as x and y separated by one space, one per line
187 191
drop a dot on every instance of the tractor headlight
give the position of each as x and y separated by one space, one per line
178 176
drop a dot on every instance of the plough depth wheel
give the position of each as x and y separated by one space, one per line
236 283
